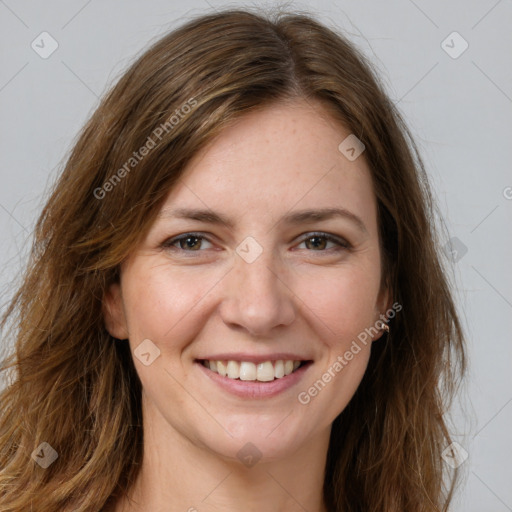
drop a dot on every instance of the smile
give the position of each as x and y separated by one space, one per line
246 370
253 380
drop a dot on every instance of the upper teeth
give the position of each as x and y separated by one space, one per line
245 370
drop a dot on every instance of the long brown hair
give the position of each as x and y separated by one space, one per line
73 386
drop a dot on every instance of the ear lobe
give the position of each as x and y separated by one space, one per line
113 312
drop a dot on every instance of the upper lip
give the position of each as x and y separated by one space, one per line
255 358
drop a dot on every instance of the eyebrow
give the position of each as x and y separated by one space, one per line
292 218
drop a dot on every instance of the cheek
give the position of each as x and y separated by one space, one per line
341 302
163 304
340 306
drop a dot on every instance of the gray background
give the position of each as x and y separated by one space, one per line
459 110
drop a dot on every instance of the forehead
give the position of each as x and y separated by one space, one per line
279 158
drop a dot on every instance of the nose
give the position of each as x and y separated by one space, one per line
257 298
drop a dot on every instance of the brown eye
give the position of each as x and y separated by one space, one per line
318 242
189 242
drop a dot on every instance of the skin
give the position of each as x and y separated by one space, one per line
301 295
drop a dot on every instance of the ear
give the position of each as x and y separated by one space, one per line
113 312
383 304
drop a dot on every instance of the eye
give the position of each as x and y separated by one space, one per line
318 242
189 242
315 242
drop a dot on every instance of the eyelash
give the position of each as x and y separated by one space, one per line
342 244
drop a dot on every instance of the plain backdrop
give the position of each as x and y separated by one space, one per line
447 66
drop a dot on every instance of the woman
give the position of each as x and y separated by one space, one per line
235 299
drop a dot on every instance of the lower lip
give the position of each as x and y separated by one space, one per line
255 389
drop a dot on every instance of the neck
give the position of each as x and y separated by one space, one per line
177 474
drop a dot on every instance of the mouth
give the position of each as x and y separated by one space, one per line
253 380
265 371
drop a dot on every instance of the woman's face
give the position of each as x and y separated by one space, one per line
266 286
